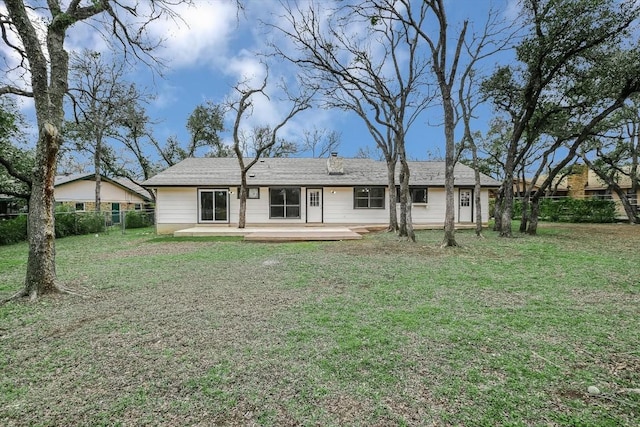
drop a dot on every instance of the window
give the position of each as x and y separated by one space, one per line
465 198
314 198
419 195
284 203
137 206
252 193
368 198
80 206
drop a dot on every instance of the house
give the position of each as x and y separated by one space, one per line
583 182
557 190
303 191
116 194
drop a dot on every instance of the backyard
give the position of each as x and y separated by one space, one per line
201 331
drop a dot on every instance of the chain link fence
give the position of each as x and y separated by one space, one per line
69 222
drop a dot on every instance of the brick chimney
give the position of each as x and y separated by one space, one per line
335 164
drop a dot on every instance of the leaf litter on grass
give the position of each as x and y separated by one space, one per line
374 332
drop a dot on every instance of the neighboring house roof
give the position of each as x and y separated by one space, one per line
125 183
224 171
594 182
557 185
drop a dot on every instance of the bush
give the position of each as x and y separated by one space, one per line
65 221
573 210
89 222
137 219
68 223
72 223
13 230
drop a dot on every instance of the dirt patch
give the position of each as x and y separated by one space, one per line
152 249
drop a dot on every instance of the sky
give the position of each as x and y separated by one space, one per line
213 46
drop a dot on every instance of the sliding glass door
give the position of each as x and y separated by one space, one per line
213 206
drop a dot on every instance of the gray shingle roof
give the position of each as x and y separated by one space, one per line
224 171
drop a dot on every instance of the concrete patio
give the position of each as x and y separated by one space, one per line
279 234
299 233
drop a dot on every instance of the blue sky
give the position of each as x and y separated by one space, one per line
215 47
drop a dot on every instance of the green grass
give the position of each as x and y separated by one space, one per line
196 331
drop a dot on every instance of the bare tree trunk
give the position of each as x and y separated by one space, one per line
391 177
629 209
97 159
449 222
242 219
507 199
406 223
532 229
477 187
41 267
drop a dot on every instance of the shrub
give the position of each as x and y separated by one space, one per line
72 223
137 219
573 210
89 222
13 230
65 221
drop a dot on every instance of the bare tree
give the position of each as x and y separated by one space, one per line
377 73
41 32
494 37
446 74
264 138
320 142
100 95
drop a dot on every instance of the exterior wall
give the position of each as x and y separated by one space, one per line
85 191
577 181
258 209
104 206
338 208
177 208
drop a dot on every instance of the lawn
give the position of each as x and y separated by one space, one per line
375 332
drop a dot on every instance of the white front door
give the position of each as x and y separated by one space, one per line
314 205
465 205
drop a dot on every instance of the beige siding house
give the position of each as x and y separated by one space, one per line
116 194
302 191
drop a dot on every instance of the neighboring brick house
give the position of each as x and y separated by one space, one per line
584 182
116 194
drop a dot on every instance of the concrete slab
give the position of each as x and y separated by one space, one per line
275 234
299 233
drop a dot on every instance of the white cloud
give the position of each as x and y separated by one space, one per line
200 35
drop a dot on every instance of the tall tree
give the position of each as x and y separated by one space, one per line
264 138
100 95
429 19
494 37
40 33
559 39
377 73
